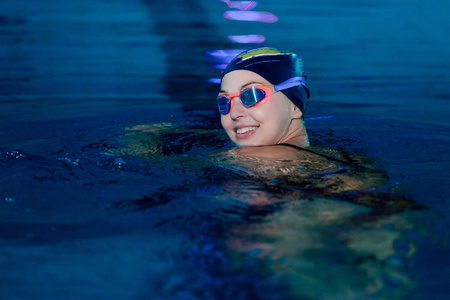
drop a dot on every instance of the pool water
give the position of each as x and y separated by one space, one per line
113 180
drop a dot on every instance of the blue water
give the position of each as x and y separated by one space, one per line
107 124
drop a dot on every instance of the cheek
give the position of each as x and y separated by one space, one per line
261 113
275 117
274 110
226 122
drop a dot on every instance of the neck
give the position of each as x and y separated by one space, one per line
297 134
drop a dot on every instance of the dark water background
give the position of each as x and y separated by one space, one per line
80 221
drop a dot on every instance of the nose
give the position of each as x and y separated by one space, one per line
237 109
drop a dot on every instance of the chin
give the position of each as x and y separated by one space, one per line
249 144
244 144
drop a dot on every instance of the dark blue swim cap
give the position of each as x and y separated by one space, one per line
276 67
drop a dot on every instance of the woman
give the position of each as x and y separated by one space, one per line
262 102
272 91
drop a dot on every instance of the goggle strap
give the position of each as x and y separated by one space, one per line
291 82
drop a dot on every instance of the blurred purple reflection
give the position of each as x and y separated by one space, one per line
247 39
222 56
242 5
214 80
219 59
220 66
254 16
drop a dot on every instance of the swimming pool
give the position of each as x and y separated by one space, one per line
107 127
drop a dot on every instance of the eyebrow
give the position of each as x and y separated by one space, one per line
245 85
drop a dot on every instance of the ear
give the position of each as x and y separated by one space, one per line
296 112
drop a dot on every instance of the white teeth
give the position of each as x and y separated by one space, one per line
245 129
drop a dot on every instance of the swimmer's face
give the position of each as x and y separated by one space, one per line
266 123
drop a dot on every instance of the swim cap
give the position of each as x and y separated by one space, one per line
275 66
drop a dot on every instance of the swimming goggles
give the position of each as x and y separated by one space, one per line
256 94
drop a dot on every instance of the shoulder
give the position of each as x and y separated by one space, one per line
273 152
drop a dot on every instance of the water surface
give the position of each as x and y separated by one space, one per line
92 209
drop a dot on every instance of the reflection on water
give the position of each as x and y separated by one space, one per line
247 39
241 5
243 12
252 16
220 224
220 58
329 249
320 227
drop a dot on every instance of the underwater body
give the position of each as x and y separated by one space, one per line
118 182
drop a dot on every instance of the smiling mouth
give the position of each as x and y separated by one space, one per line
246 129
